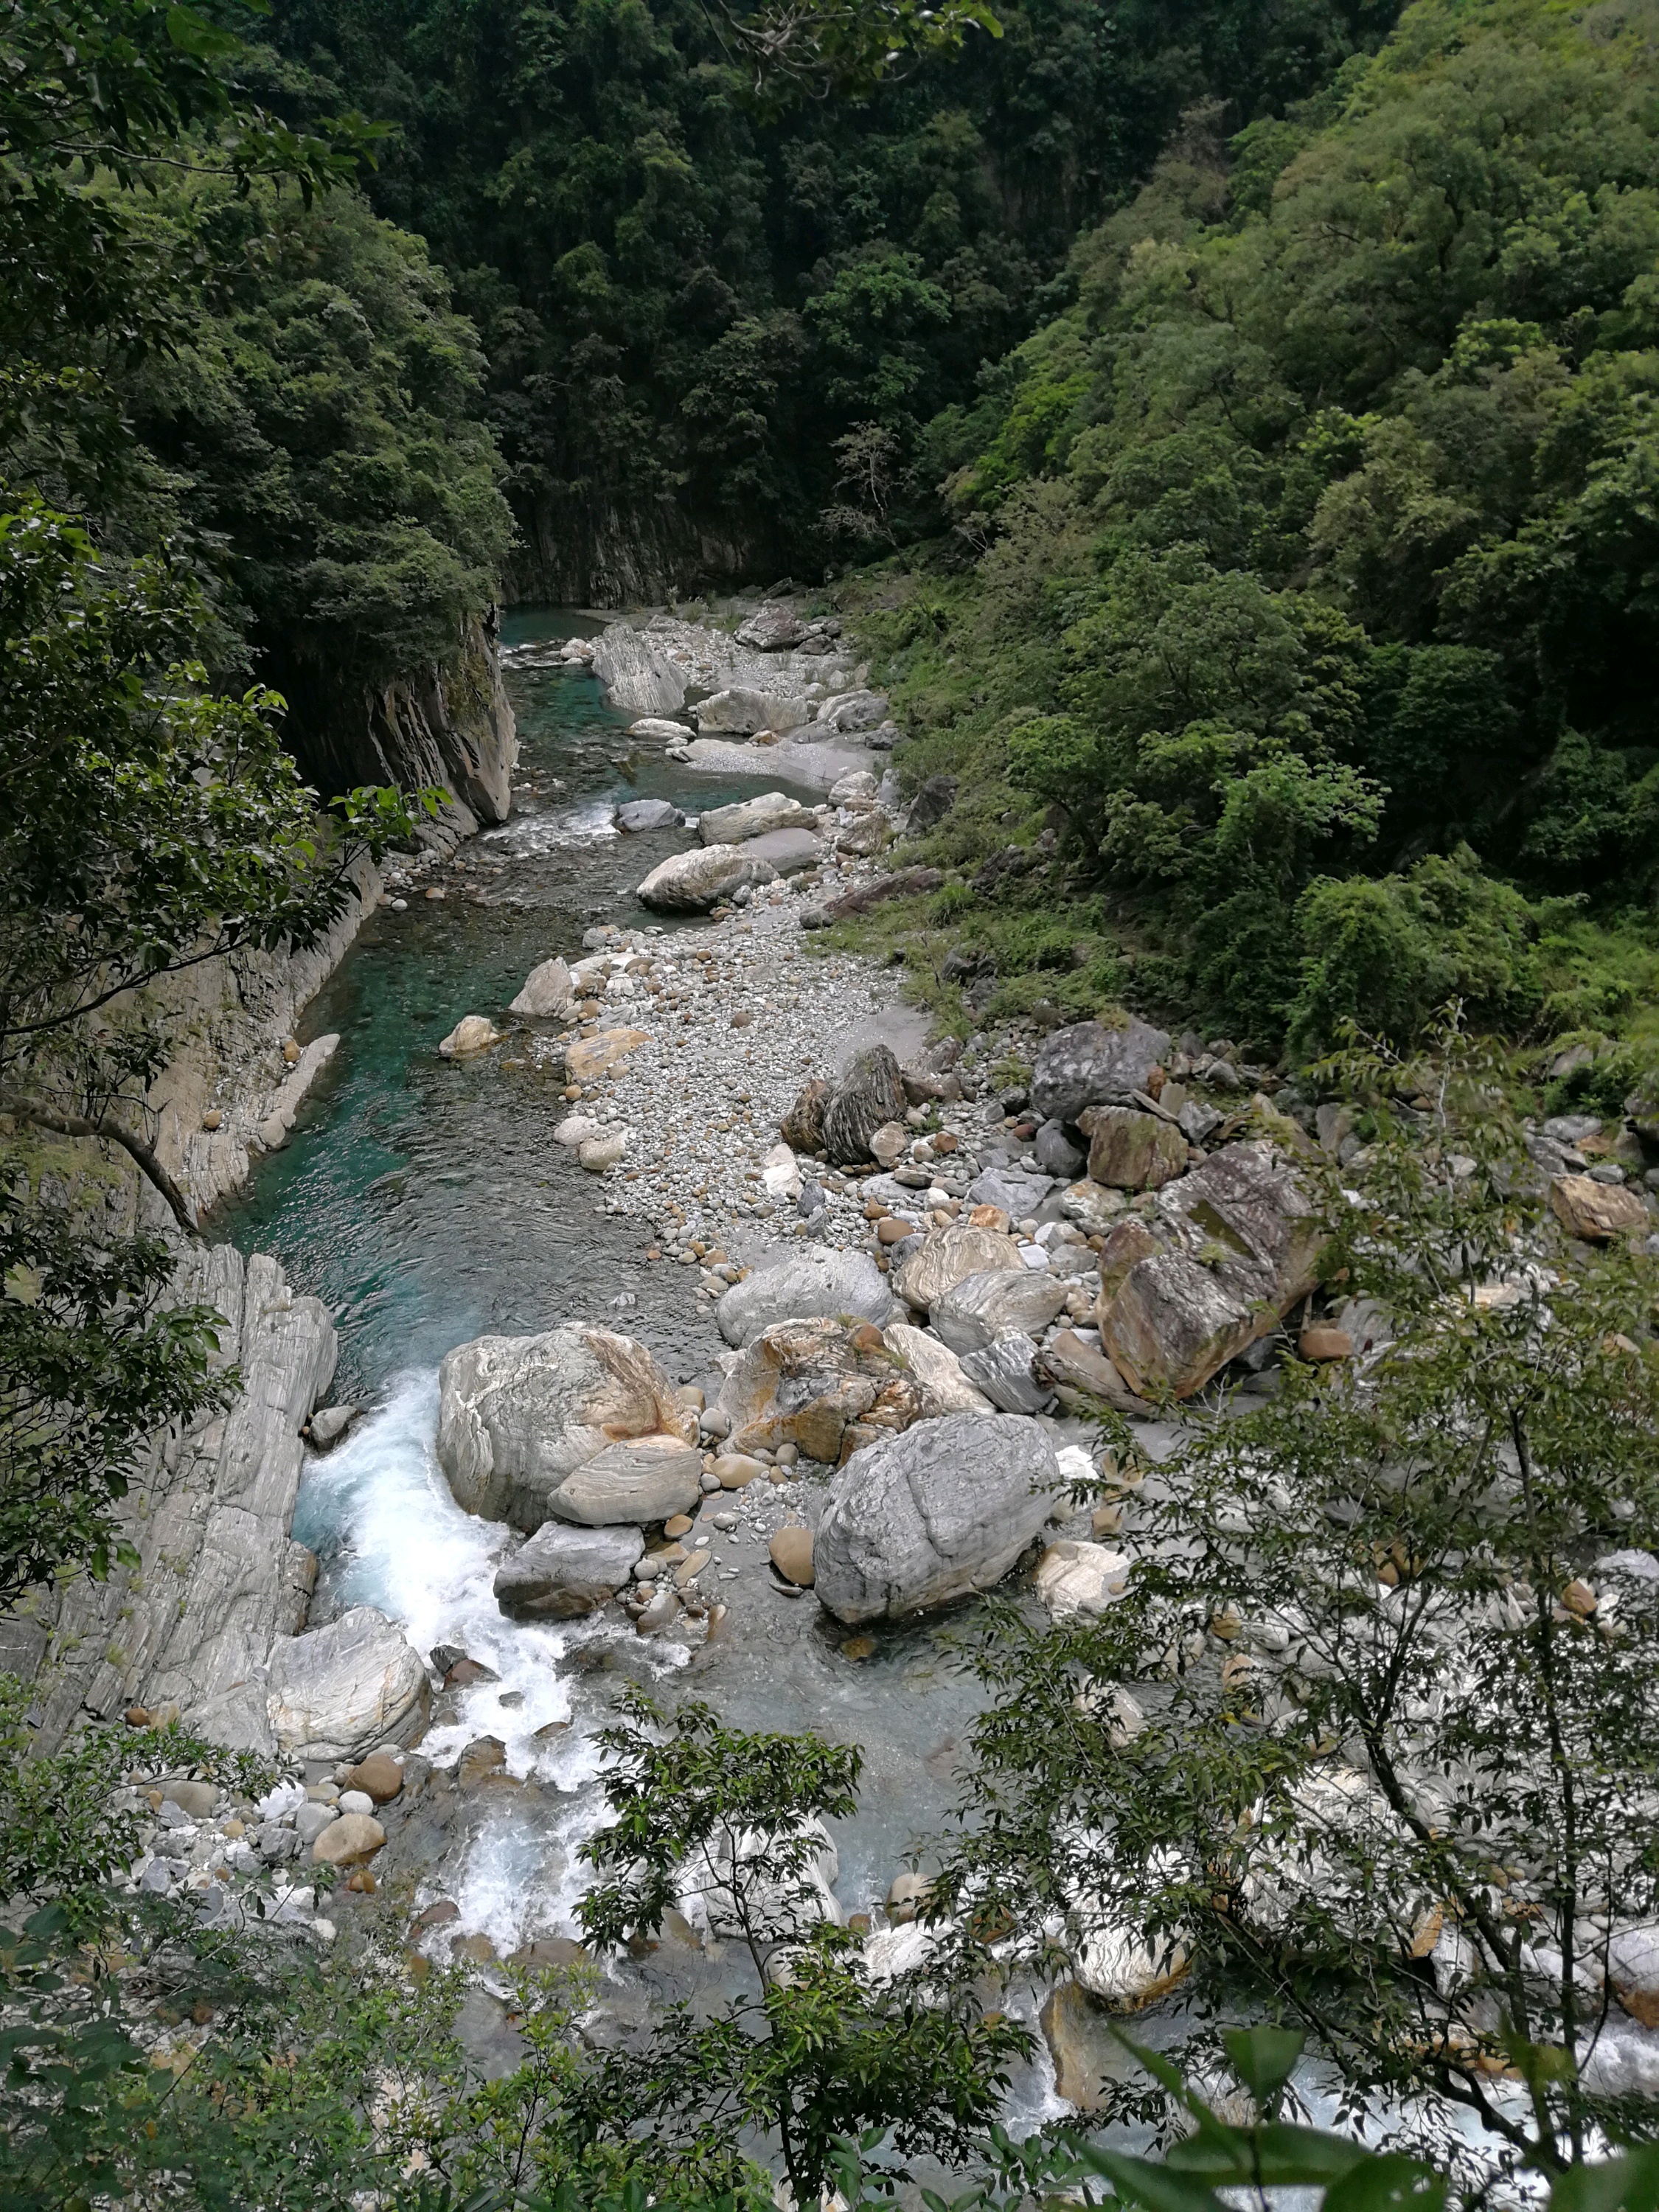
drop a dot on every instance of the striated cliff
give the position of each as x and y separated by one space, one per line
591 551
450 724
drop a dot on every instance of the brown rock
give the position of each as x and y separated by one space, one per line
679 1524
1087 2055
1067 1360
1598 1212
1579 1599
1127 1243
802 1127
894 1230
904 882
803 1382
1131 1151
477 1948
360 1881
545 1952
378 1776
792 1555
1323 1340
990 1216
349 1841
597 1054
737 1470
441 1913
484 1755
949 1256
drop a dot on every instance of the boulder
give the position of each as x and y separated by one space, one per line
1237 1244
1597 1211
565 1572
1128 1241
1089 1065
352 1840
1131 1151
1017 1191
473 1033
1091 1207
973 1312
809 1383
1075 1577
576 1130
889 1144
902 882
549 993
739 712
590 1056
773 627
379 1777
329 1424
640 1479
802 1127
655 726
948 1256
638 673
1006 1371
854 710
796 1285
753 817
792 1555
945 1388
868 1092
788 851
598 1153
1056 1155
856 789
517 1415
641 814
919 1519
932 803
691 883
1072 1365
352 1684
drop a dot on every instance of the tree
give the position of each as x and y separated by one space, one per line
1367 1743
729 1827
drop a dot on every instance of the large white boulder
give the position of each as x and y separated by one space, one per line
548 993
691 883
752 817
919 1519
338 1691
518 1415
563 1572
973 1313
797 1286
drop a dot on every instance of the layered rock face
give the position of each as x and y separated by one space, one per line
219 1581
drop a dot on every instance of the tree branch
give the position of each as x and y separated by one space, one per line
107 1132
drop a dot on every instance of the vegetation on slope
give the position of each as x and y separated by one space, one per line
1303 569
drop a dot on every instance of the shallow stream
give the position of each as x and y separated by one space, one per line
426 1203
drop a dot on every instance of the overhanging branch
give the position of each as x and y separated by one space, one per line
105 1131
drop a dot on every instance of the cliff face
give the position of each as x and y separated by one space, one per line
451 726
595 551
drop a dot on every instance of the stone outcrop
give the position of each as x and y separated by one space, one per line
867 1094
346 1688
738 713
639 672
518 1415
922 1519
218 1581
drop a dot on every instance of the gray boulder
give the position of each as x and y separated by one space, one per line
788 851
338 1691
799 1285
548 993
648 814
1003 1370
868 1094
517 1415
1018 1191
771 627
644 1478
1089 1065
740 713
1056 1155
691 883
948 1256
329 1424
974 1312
922 1519
937 796
638 672
752 817
854 710
563 1572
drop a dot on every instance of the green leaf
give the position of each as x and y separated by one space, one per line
1264 2059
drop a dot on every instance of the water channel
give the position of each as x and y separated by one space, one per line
426 1203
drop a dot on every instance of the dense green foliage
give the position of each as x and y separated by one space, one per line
684 296
1315 558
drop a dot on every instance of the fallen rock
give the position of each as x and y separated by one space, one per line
379 1777
945 1388
472 1034
585 1058
657 726
354 1682
1323 1340
549 993
1005 1370
691 883
1090 1065
754 817
644 1478
575 1129
1091 1207
852 711
1597 1211
932 803
796 1285
641 814
1131 1151
1088 2058
792 1555
329 1424
802 1127
889 1144
1072 1365
1056 1155
808 1381
517 1415
1077 1577
772 628
596 1154
788 851
973 1312
1016 1191
1239 1244
738 713
902 882
352 1840
869 1092
640 674
948 1256
565 1572
919 1519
